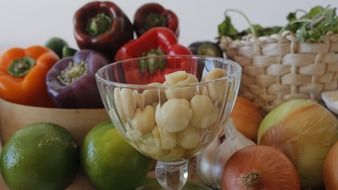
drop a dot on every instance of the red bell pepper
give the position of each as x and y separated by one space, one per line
152 15
156 41
102 26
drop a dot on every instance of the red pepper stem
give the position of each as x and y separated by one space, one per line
154 20
152 64
73 72
20 67
99 24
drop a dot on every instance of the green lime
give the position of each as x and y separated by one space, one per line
110 162
41 156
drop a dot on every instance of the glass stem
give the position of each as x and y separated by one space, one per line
172 175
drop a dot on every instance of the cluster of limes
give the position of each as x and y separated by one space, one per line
45 156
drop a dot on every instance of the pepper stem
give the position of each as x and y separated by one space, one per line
152 64
250 180
72 72
99 24
154 20
20 67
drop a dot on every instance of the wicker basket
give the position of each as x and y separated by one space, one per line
278 67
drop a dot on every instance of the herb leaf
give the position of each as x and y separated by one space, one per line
314 12
227 29
322 21
310 27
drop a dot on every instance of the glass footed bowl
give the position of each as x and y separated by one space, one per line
169 107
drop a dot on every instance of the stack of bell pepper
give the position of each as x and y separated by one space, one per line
38 77
157 29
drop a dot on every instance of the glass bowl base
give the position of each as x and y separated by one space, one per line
152 184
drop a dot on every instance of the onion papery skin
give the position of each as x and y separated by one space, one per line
330 169
275 171
304 131
246 117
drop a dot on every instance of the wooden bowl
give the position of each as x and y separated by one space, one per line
77 121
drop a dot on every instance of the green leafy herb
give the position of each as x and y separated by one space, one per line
314 12
227 29
264 31
310 26
314 25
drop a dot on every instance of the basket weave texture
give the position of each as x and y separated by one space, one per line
279 67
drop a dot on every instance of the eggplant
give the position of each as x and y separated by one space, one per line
206 48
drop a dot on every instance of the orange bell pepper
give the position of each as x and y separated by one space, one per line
23 73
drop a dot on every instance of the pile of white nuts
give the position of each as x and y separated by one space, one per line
172 122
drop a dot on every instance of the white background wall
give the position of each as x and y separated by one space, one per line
28 22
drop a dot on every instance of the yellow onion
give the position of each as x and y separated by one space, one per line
304 131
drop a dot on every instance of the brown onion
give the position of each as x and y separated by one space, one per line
246 117
304 131
259 167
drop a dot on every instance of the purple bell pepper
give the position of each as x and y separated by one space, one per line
71 81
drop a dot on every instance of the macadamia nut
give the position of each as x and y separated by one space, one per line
173 123
126 102
204 113
156 134
117 101
175 77
148 97
149 147
133 135
214 74
168 140
174 80
144 120
216 89
174 115
189 137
